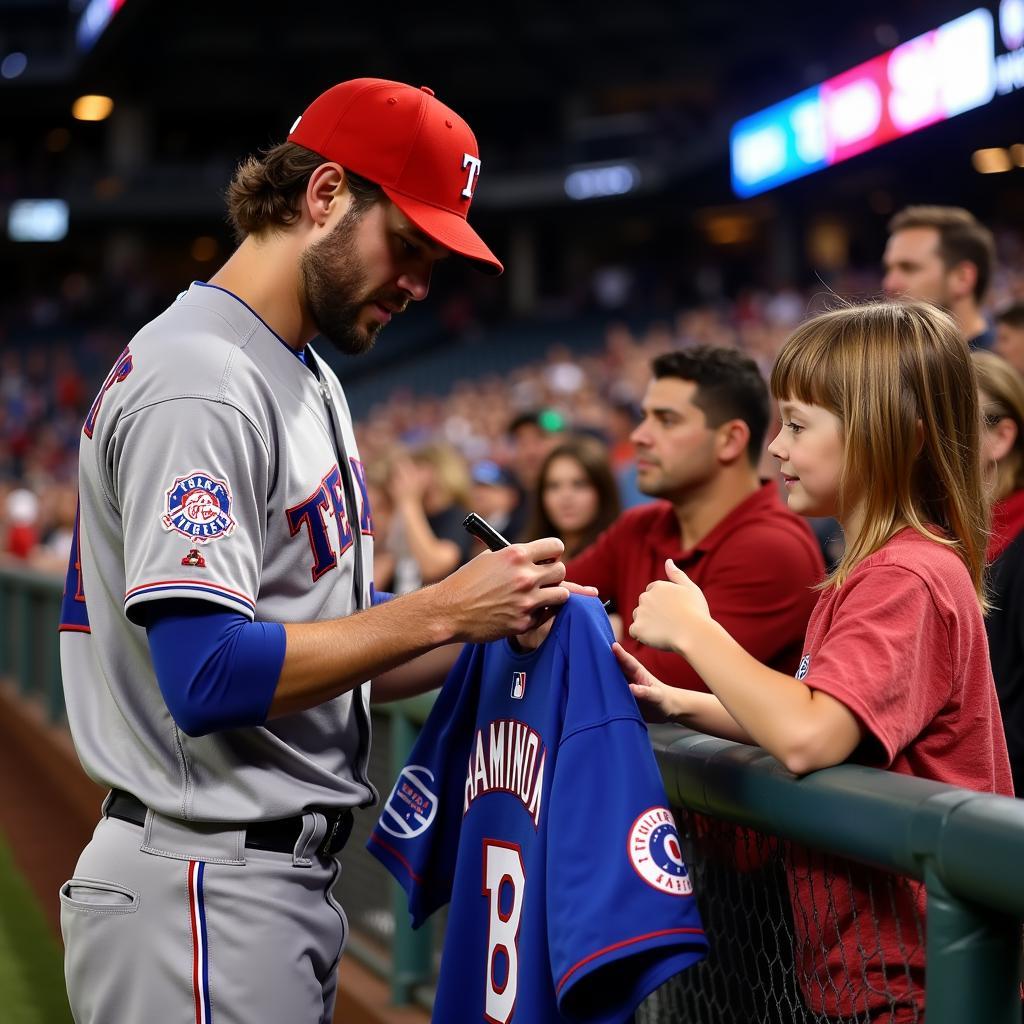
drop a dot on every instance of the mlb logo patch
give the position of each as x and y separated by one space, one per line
518 685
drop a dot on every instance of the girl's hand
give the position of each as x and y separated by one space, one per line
656 700
668 610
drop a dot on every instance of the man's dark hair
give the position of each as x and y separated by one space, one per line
549 421
266 191
961 238
1012 315
729 387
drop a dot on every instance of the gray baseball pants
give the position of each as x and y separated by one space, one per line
170 922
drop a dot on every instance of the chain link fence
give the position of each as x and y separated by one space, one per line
797 936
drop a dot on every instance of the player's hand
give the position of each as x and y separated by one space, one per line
668 610
504 593
655 699
532 639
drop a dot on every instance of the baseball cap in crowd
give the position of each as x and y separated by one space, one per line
421 153
488 472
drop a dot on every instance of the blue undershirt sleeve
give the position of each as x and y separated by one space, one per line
216 669
379 596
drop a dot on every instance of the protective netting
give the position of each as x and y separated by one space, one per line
797 936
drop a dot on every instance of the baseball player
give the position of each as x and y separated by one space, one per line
217 631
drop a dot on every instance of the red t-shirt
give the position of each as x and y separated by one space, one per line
901 644
757 569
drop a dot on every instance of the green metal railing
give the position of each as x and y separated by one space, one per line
29 653
968 848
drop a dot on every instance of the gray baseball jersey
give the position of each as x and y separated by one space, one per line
214 465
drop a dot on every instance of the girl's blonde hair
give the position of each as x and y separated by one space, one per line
1003 386
900 379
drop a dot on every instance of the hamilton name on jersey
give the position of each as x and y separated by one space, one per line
510 758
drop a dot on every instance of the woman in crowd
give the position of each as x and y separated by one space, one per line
1001 393
576 496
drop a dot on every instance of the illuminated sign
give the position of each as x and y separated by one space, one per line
929 79
93 21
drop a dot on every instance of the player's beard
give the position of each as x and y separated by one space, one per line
334 286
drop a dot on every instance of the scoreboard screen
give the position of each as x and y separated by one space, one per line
933 77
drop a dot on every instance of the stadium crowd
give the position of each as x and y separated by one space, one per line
492 433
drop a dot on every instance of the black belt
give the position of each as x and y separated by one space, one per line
279 835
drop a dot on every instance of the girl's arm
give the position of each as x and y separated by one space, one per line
804 728
662 703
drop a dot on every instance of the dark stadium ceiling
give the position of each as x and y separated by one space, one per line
546 85
527 74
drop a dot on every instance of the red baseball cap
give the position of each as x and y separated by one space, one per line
420 152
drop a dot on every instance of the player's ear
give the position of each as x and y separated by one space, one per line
325 184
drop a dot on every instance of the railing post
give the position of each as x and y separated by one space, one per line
54 683
24 648
412 950
5 625
972 960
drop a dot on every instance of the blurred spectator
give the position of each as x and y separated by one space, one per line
705 414
22 523
1010 335
622 417
60 504
430 493
494 496
382 516
531 435
576 497
1001 393
942 255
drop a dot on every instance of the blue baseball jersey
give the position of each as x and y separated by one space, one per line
533 802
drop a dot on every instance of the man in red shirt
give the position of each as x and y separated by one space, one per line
705 415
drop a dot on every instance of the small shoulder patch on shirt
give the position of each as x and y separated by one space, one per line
198 506
656 854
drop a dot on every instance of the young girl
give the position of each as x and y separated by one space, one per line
880 429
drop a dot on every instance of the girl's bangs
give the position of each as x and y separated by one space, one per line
803 371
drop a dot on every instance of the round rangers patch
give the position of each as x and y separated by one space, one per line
199 507
655 852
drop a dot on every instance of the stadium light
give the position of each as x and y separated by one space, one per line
991 161
598 181
92 108
37 220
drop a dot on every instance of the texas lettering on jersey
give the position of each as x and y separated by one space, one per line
310 517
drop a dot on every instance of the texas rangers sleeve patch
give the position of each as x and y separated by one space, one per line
198 506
